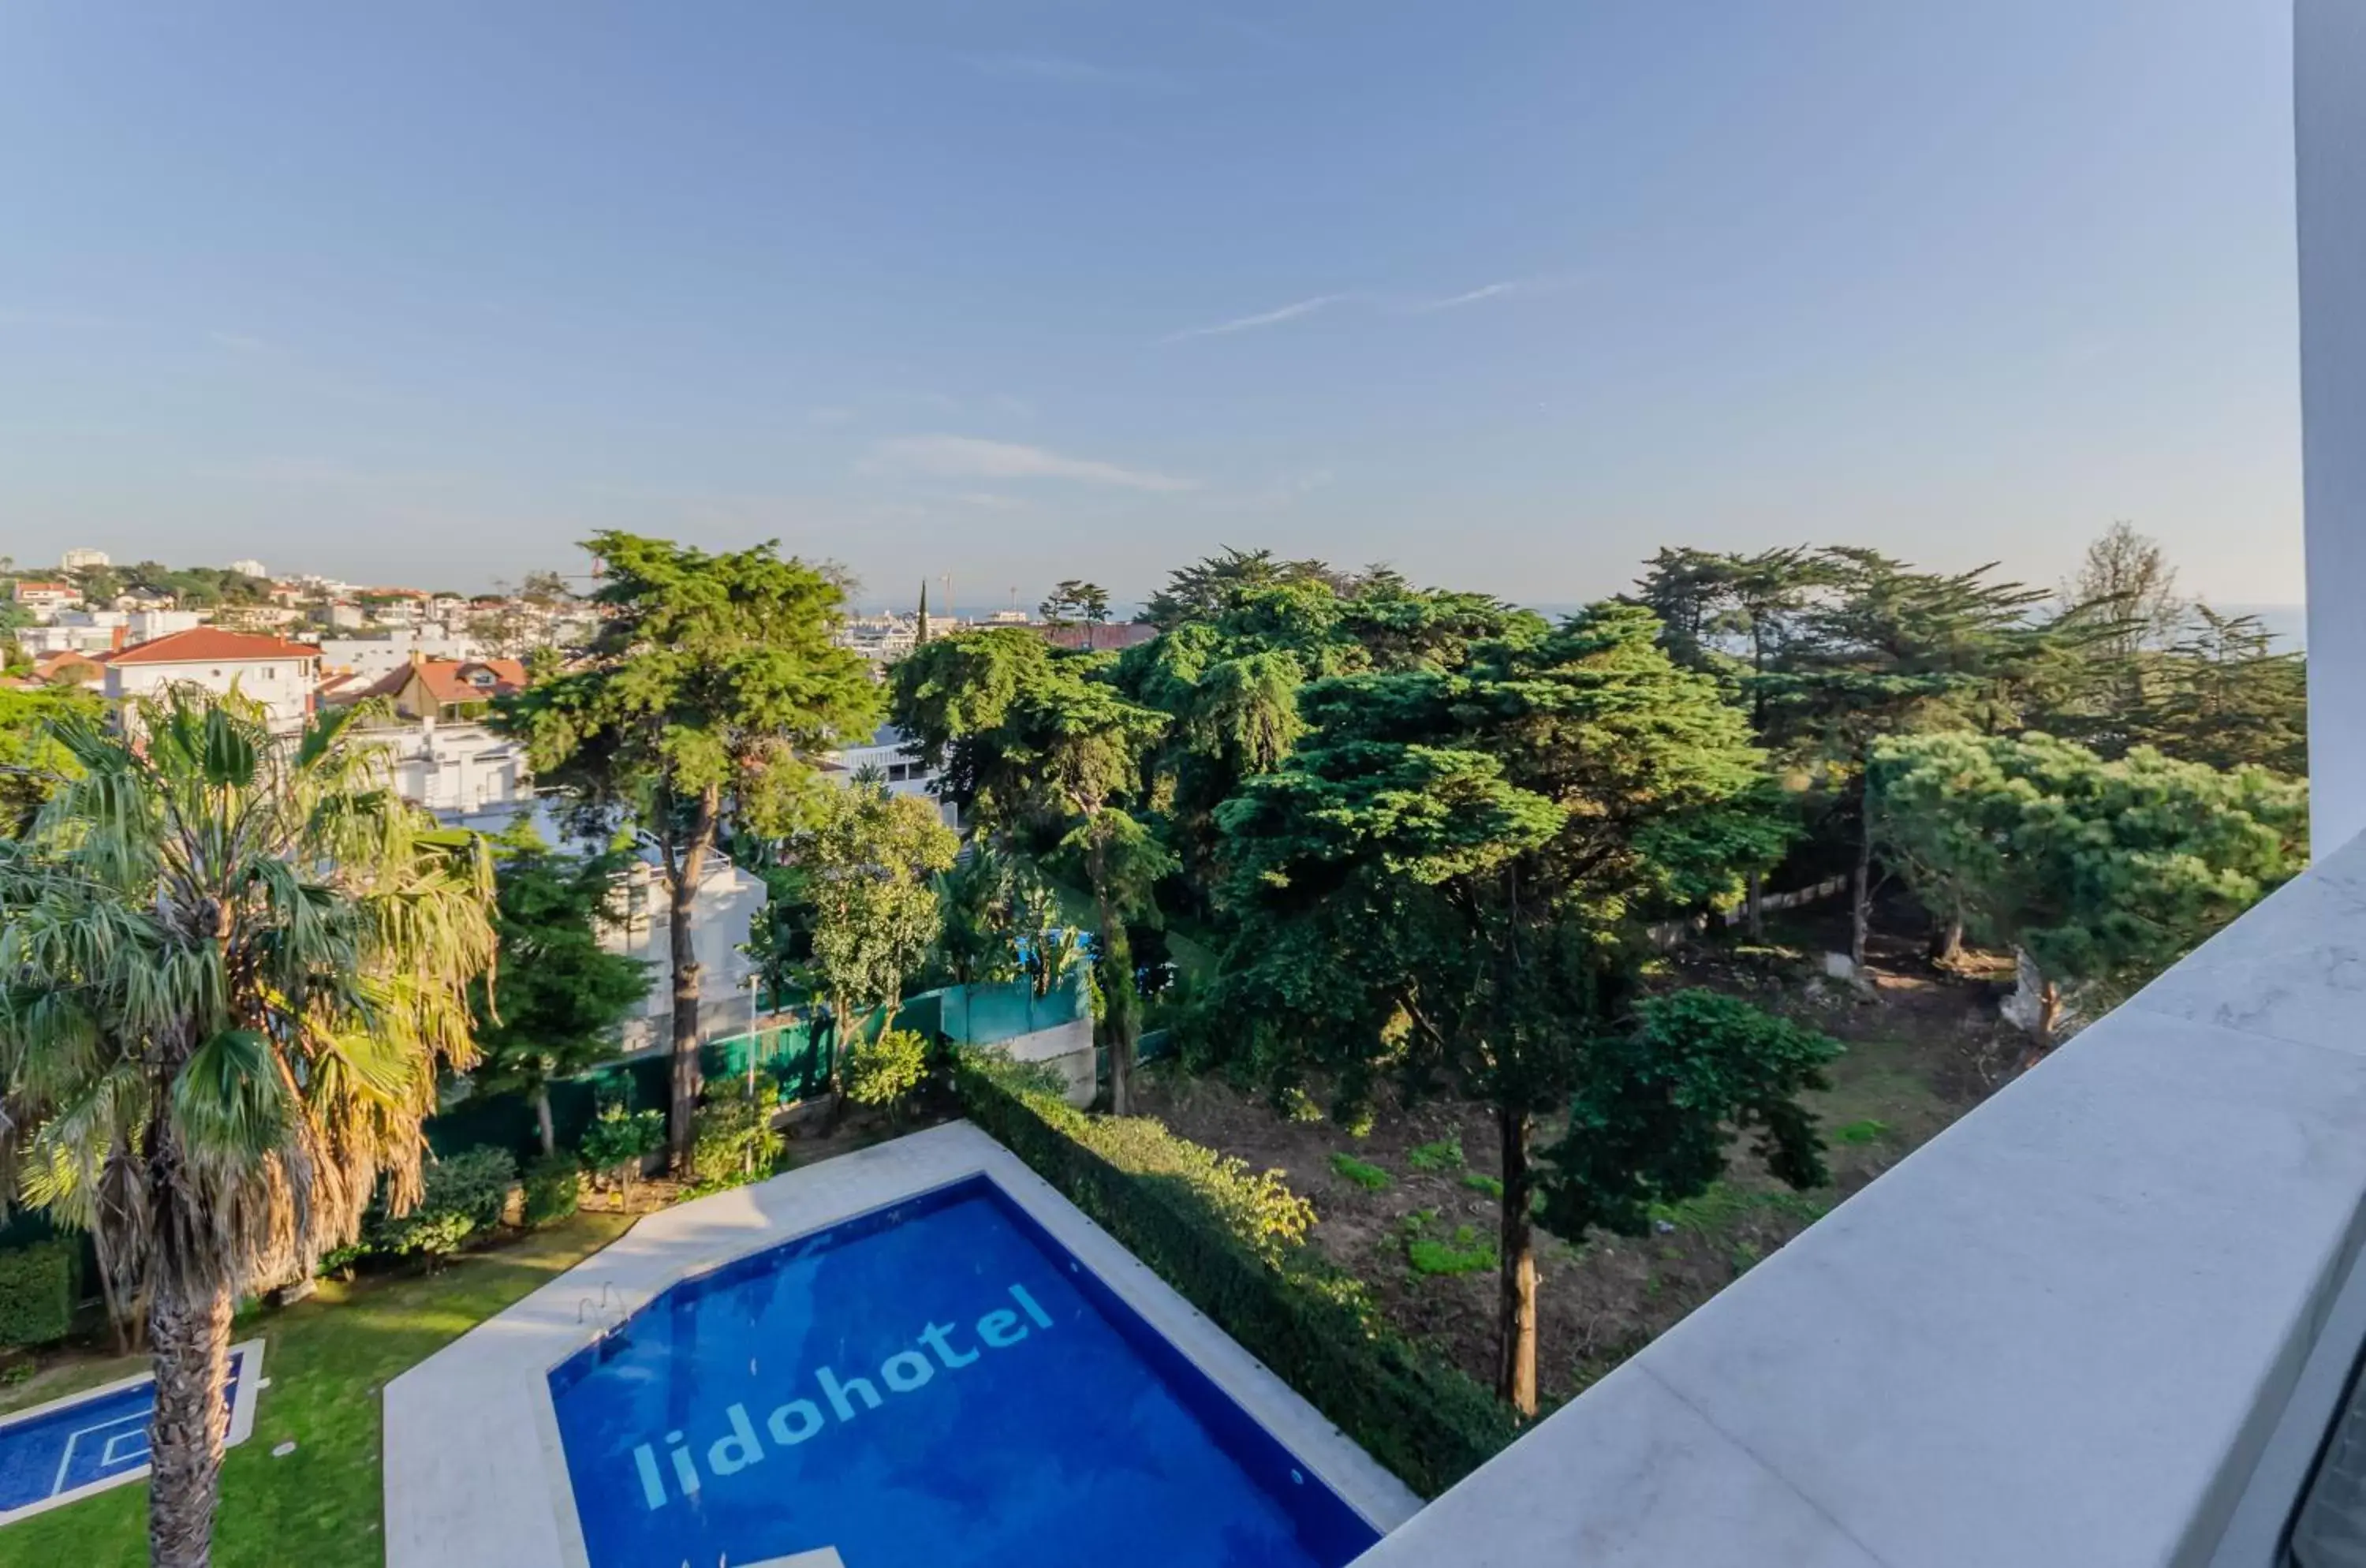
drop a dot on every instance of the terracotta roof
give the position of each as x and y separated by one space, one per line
49 669
448 680
1100 640
200 645
24 588
346 688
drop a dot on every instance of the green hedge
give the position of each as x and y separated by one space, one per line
37 1292
1232 1244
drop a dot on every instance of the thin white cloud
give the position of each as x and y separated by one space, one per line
1506 288
970 456
1288 313
1484 291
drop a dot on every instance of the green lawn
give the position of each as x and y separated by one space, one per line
326 1360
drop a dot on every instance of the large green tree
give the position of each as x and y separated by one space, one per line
557 999
1882 649
1049 755
231 970
866 860
712 686
2102 873
1448 880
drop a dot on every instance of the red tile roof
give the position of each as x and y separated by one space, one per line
201 645
56 663
447 680
1103 639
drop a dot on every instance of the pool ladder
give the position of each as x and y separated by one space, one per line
610 1309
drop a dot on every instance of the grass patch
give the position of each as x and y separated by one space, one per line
1363 1173
327 1358
1467 1253
1444 1154
1479 1181
1725 1204
1859 1133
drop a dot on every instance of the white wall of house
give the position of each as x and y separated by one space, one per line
373 657
729 900
283 685
889 752
63 636
147 625
455 769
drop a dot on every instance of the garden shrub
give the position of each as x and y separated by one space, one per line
37 1292
619 1140
464 1194
554 1189
883 1072
732 1138
1231 1241
1363 1173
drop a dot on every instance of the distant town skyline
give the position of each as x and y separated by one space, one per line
1508 298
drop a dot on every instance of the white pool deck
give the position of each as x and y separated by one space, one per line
475 1476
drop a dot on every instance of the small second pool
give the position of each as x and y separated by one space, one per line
934 1385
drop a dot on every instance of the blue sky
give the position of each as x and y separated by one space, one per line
1509 294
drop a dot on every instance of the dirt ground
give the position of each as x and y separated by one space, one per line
1922 1048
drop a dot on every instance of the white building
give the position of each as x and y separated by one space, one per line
44 601
371 658
730 899
457 771
729 902
280 675
249 567
83 561
889 750
882 639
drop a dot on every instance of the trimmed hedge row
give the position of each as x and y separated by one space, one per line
37 1292
1231 1242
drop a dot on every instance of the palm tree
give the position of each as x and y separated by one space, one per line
230 970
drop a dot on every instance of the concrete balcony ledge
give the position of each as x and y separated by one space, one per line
2059 1333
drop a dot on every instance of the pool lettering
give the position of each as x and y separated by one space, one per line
906 1371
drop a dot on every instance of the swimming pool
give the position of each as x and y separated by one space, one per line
934 1383
85 1442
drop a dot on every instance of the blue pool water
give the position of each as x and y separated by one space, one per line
98 1438
935 1385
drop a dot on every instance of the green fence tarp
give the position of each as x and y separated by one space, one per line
793 1046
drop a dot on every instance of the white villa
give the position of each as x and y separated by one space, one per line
280 675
